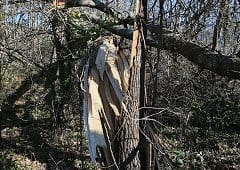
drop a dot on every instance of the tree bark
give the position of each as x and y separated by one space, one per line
129 132
144 145
201 56
221 64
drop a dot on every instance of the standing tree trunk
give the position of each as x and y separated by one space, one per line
129 132
145 153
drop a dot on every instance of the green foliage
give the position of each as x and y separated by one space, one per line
81 32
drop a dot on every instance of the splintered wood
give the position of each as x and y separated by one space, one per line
106 81
59 3
136 35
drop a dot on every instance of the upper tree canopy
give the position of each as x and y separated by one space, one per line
205 32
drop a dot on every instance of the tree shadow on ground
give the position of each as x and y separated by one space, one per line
32 144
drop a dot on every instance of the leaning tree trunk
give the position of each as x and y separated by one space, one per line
129 132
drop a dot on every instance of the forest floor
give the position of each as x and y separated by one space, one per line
38 146
35 146
202 149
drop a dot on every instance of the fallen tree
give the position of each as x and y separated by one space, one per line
202 56
221 64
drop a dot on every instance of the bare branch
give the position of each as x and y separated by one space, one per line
92 4
221 64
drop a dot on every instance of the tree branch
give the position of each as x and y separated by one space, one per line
74 3
224 65
92 4
221 64
11 2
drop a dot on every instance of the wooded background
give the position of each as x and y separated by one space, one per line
189 96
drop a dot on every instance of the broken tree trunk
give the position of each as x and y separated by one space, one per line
129 133
111 102
105 83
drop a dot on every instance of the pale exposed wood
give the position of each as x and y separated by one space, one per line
104 97
129 133
221 64
136 34
95 106
123 66
59 3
